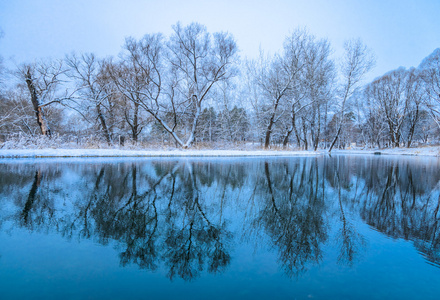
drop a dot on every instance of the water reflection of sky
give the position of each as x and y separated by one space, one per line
237 228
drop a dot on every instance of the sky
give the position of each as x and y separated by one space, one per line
399 32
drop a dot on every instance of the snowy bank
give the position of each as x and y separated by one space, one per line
34 153
422 151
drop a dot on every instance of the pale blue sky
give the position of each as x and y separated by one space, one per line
400 32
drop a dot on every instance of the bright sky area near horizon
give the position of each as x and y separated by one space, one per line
400 32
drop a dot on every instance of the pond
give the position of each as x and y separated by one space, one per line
340 227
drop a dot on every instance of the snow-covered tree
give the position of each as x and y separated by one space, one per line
172 79
94 91
430 70
357 61
397 95
43 81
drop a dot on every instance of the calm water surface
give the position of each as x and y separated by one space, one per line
345 227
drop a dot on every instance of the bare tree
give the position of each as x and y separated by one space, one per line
273 82
316 90
430 68
233 122
357 61
138 77
92 88
298 79
8 112
172 80
43 81
397 95
414 96
2 71
295 47
279 82
17 113
198 61
369 118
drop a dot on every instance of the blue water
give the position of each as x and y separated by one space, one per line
343 227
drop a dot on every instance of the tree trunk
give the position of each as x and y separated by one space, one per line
135 128
335 139
103 124
289 131
325 126
39 112
297 134
194 125
286 137
306 143
317 137
318 134
341 117
271 122
413 126
268 132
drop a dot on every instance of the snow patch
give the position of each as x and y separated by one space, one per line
33 153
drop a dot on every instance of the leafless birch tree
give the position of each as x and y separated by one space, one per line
357 61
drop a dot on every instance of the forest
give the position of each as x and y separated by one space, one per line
192 89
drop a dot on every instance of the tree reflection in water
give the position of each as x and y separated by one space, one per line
293 213
188 216
192 238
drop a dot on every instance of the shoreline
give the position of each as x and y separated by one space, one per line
58 153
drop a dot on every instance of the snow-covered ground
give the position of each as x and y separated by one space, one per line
422 151
11 153
33 153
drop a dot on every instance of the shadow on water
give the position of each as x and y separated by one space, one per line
187 216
